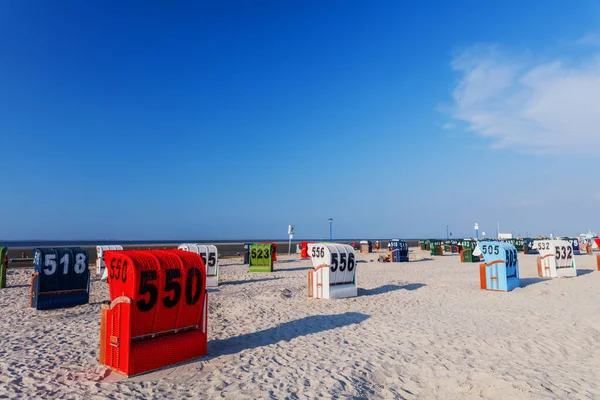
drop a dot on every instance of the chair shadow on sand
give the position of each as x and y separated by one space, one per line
286 331
422 259
18 286
524 282
247 281
389 288
581 272
294 269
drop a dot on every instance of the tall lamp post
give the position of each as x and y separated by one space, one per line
447 237
476 227
331 229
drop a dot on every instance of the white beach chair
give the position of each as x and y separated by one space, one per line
556 259
100 265
333 275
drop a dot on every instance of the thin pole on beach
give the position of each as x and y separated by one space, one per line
291 235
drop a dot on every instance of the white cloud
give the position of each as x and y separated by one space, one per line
590 39
536 107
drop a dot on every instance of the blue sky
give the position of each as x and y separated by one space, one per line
148 120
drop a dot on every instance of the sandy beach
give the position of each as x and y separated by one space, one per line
422 329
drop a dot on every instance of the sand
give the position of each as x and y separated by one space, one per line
417 330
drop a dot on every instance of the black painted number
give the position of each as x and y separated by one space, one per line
351 262
511 258
124 272
543 245
172 286
342 262
318 251
172 289
117 271
193 275
147 287
212 259
563 252
111 275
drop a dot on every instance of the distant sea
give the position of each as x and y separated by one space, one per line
87 243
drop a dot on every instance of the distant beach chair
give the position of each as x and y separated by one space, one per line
398 251
529 246
304 250
366 246
3 266
595 247
261 257
100 264
466 251
436 248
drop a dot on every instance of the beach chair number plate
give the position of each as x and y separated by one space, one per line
171 285
511 255
51 266
260 253
342 263
211 261
564 256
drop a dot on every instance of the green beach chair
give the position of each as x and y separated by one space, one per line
261 257
466 255
3 266
435 247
